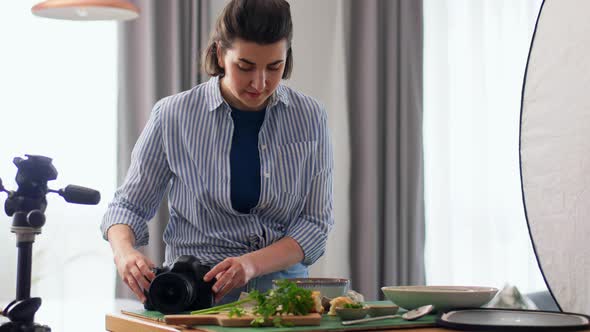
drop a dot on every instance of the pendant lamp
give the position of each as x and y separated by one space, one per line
87 10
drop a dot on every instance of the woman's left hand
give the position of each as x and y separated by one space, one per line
232 272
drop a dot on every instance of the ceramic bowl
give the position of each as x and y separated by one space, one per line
442 297
352 313
328 287
382 310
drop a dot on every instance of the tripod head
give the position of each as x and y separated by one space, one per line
32 177
27 207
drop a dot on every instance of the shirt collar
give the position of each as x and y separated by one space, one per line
216 100
280 95
214 93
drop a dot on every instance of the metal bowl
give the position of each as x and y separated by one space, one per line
328 287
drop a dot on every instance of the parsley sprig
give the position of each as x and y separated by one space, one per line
286 299
271 306
236 311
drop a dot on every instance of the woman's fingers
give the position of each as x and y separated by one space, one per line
217 269
224 274
135 270
218 276
145 269
224 280
224 285
229 274
139 277
130 281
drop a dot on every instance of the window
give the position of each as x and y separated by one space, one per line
474 62
58 87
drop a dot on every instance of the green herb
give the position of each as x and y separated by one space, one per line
219 308
257 321
236 311
286 299
353 305
278 322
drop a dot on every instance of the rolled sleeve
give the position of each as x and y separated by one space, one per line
121 212
140 195
311 228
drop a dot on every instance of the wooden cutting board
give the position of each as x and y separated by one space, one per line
327 324
224 320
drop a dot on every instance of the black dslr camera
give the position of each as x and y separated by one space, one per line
180 287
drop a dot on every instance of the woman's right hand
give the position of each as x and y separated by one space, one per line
134 268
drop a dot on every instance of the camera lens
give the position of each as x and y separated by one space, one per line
171 292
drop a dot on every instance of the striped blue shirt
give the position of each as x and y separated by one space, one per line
185 150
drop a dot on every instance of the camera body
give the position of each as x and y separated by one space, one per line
180 287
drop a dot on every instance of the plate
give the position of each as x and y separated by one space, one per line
512 320
442 297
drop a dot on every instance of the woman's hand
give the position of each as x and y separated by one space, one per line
232 272
235 272
135 270
133 267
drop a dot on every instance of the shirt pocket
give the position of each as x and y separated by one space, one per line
293 167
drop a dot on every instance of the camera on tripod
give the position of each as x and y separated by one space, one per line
27 207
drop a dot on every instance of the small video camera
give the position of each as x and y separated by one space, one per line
180 287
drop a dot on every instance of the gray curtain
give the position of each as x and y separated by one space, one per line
385 100
159 55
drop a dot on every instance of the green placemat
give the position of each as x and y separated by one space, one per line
329 323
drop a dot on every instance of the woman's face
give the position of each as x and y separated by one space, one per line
252 72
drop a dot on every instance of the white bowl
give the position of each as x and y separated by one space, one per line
328 287
442 297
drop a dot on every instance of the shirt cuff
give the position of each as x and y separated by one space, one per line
118 213
311 238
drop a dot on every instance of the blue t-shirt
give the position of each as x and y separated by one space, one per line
245 159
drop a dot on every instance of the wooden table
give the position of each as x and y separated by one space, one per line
124 323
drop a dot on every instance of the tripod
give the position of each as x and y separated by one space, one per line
27 207
21 311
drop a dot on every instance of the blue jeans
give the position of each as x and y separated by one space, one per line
264 283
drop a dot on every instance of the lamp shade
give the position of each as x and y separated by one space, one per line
87 10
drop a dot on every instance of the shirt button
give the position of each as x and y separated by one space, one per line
263 147
267 175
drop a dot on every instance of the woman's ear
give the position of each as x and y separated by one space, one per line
219 54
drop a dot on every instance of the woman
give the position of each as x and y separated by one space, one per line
248 162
